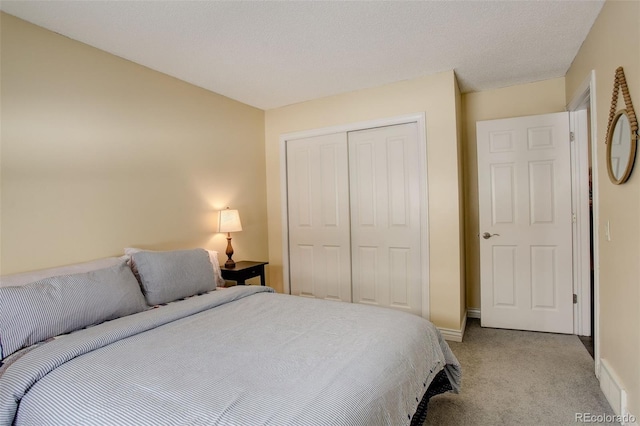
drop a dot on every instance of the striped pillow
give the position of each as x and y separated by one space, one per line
213 258
57 305
166 276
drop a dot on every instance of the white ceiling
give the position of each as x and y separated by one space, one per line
269 54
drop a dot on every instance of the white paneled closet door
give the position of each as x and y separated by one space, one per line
354 212
384 174
318 215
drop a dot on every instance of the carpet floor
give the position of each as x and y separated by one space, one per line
514 377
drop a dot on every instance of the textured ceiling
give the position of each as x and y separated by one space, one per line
270 54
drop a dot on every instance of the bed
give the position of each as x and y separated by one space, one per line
243 355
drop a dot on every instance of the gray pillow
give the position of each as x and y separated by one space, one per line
56 305
172 275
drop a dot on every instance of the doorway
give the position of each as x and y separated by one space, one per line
582 113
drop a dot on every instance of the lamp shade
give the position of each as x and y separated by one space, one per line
229 221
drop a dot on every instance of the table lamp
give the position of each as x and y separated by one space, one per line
229 221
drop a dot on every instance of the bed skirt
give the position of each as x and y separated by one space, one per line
440 384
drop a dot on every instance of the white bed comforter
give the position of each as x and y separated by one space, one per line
239 356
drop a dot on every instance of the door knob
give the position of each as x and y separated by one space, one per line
487 235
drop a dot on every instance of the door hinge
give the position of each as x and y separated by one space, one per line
572 136
574 218
575 298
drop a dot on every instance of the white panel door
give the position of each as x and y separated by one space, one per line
318 208
524 187
385 217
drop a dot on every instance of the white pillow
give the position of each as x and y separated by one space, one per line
213 258
78 268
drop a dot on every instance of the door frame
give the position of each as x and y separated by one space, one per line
584 97
420 119
580 231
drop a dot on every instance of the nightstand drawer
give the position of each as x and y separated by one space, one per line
254 272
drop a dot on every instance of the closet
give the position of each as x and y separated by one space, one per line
356 216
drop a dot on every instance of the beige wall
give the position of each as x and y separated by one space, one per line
527 99
434 95
99 153
614 41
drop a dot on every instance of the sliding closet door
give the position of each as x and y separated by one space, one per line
384 173
318 214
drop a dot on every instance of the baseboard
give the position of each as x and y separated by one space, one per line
615 393
453 335
473 312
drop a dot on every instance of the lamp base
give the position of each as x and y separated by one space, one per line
230 264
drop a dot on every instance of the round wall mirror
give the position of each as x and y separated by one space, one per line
621 148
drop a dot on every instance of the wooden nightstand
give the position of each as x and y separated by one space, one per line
244 270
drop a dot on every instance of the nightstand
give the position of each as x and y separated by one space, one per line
244 270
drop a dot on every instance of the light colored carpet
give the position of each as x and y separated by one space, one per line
519 378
